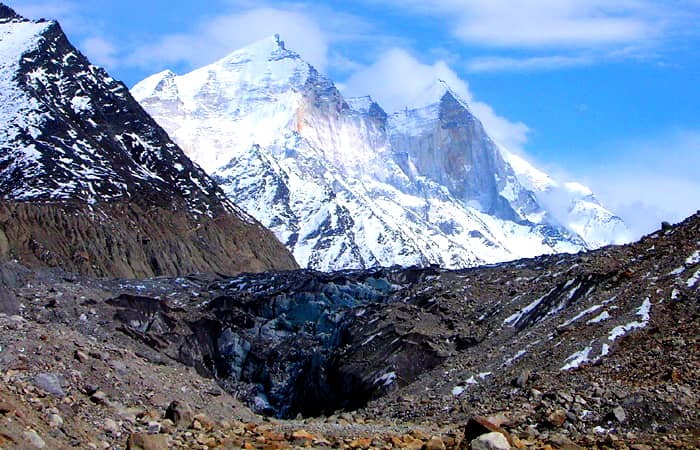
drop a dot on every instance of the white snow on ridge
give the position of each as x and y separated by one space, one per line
677 271
578 358
692 281
599 318
360 104
643 312
261 107
386 379
515 317
61 165
515 357
581 314
80 103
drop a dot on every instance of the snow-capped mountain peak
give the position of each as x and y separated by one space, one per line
271 47
433 95
571 203
342 183
268 56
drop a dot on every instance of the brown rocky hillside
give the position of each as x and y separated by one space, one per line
129 241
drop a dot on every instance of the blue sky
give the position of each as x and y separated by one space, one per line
601 91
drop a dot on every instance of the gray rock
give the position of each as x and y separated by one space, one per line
566 397
119 367
90 389
51 383
153 427
110 426
557 418
563 442
81 356
144 441
619 414
490 441
99 397
167 426
34 439
55 421
523 378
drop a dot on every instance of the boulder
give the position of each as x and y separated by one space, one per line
490 441
477 426
51 383
180 413
145 441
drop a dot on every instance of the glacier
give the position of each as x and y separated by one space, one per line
344 184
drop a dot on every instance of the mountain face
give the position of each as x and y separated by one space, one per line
345 185
89 182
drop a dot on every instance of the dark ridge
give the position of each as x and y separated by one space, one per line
8 13
147 211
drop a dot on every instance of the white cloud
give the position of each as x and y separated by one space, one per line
64 11
651 180
549 23
100 51
397 79
214 38
531 64
36 9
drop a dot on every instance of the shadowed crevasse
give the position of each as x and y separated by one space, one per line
294 343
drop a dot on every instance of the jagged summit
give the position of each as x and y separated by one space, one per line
241 84
360 104
366 105
269 50
157 82
279 41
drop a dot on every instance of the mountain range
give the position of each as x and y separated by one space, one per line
125 320
344 184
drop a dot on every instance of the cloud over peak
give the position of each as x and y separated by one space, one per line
396 78
216 37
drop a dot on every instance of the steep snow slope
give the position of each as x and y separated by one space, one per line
343 184
58 138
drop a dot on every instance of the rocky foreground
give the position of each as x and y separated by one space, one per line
595 350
